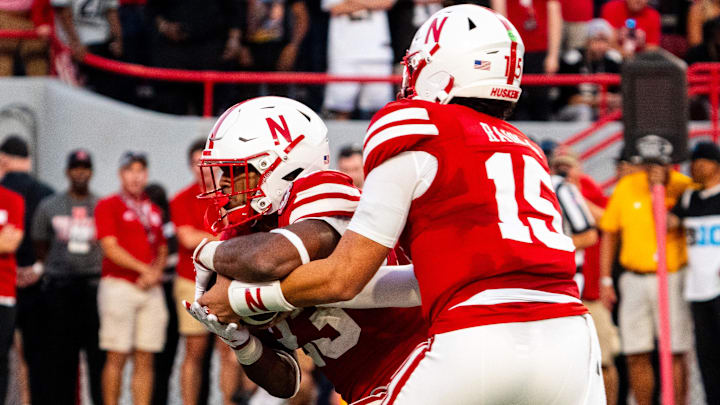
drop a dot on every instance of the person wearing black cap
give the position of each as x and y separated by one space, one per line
15 167
698 211
63 233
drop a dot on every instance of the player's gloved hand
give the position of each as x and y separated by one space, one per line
231 334
203 262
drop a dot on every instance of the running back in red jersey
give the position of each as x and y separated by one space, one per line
358 350
486 238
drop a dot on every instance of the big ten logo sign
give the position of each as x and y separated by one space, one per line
704 235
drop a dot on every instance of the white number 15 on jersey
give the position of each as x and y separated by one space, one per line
500 170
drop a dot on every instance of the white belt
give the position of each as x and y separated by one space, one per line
508 295
7 301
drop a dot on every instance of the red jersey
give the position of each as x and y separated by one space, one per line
357 349
12 212
486 238
530 20
138 230
188 210
616 13
577 10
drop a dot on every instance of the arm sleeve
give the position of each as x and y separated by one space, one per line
610 220
41 224
104 224
16 216
388 192
575 209
180 214
329 4
392 286
653 30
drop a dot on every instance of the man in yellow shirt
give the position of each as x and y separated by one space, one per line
628 222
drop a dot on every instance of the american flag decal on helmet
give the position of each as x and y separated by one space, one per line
482 64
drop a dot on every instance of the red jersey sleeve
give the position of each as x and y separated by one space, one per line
181 213
104 221
325 193
611 14
395 129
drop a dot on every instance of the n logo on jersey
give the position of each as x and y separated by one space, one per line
435 29
276 128
254 302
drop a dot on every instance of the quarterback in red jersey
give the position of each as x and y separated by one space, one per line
469 197
273 156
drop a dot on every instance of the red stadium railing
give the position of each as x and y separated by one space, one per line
703 79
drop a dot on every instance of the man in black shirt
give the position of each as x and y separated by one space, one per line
15 164
698 211
581 103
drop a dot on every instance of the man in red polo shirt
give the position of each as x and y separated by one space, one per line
636 24
189 217
12 215
133 316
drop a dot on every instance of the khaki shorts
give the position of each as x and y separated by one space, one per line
184 289
606 330
131 318
638 313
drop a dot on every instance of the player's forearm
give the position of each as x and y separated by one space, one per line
608 248
302 23
340 277
390 287
263 257
274 373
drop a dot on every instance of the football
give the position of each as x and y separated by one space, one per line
260 319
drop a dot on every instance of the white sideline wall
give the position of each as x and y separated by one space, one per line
65 118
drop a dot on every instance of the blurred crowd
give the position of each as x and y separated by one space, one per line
344 37
105 277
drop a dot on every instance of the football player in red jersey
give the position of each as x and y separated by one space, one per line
469 197
273 155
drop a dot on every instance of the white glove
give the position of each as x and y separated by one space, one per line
231 334
202 260
247 348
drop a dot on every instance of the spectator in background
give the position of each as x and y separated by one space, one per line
709 49
539 23
12 211
700 13
637 25
63 232
628 221
417 11
582 103
195 35
698 211
578 222
16 165
91 26
567 162
25 15
189 217
165 360
273 32
351 163
358 45
576 17
133 316
136 48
